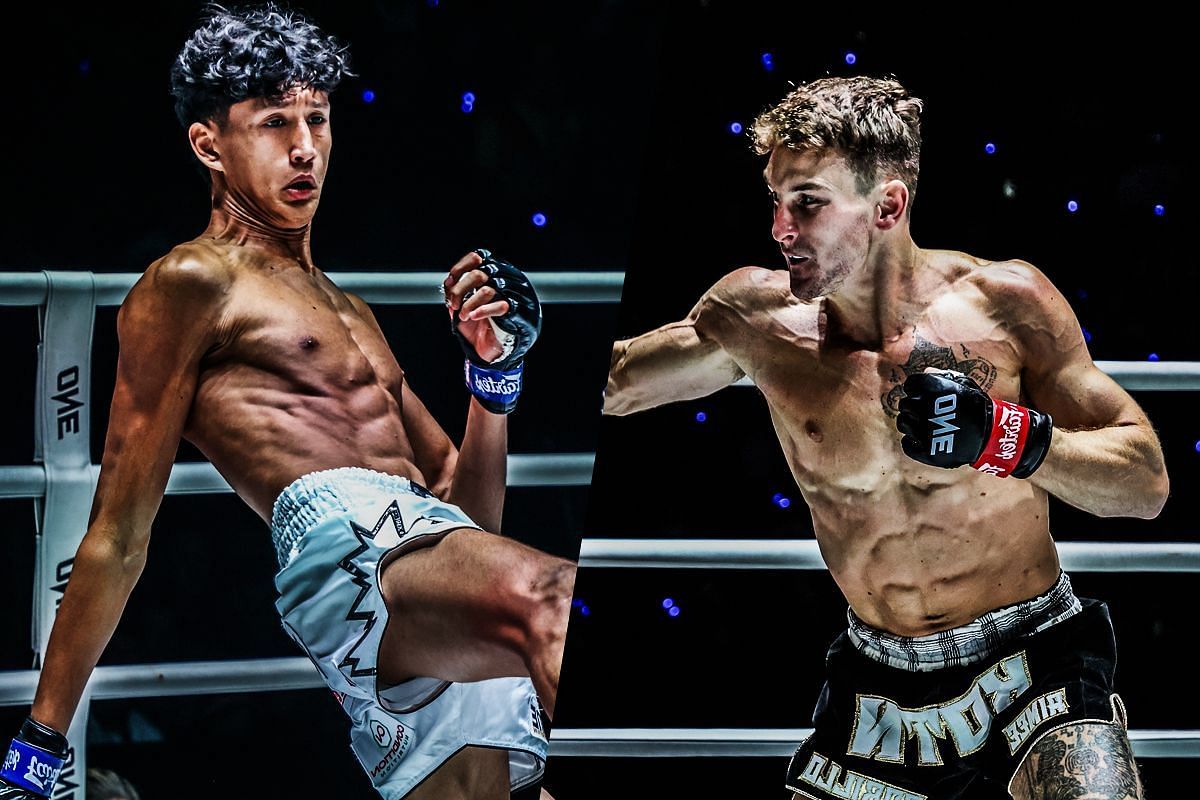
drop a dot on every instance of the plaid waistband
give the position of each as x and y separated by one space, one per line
970 643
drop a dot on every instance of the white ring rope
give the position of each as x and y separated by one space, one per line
388 288
1140 376
777 742
804 554
524 469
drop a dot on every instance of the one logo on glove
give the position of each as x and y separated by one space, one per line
12 760
943 433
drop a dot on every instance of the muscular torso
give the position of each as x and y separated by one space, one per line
299 381
915 549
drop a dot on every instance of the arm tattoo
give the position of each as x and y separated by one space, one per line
1089 761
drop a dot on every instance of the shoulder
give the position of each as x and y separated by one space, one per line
191 270
1026 302
1013 284
190 281
747 290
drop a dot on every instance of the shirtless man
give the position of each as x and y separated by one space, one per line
238 343
969 668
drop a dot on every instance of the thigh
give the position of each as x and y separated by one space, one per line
459 610
473 773
1092 760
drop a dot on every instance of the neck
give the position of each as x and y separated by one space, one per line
235 220
881 301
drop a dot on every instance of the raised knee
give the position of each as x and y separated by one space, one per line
546 594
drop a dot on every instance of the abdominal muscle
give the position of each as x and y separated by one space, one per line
262 434
918 549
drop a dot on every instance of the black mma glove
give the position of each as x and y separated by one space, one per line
33 762
948 421
497 384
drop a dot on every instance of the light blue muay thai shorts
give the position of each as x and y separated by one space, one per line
333 530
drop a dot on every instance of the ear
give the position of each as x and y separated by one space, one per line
203 138
892 205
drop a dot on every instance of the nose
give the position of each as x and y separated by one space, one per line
303 149
783 226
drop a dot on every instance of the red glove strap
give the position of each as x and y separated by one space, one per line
1010 426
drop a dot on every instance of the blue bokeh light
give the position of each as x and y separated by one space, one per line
1152 357
1087 335
768 62
1198 445
584 610
467 108
368 96
735 128
539 219
851 58
674 611
668 602
784 503
576 602
1072 206
1159 210
701 416
989 148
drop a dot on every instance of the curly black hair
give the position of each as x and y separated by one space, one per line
263 51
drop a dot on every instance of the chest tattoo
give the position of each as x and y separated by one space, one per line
926 354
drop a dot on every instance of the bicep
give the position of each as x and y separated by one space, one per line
672 363
1059 376
161 345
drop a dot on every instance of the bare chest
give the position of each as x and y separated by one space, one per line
308 332
834 407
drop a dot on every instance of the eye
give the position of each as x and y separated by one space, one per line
317 119
274 122
808 200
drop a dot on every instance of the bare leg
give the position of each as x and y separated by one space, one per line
474 773
1089 761
476 606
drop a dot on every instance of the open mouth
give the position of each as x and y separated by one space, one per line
795 261
302 184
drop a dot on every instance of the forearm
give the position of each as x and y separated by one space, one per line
1111 472
481 469
103 575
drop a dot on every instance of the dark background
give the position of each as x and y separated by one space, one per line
1088 109
98 176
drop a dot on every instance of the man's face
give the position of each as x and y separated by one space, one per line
822 223
275 155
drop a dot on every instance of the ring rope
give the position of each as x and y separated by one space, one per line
524 469
1135 376
408 288
805 554
778 742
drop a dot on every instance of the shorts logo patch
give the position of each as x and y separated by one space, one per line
535 711
399 741
1049 705
831 777
882 727
383 737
